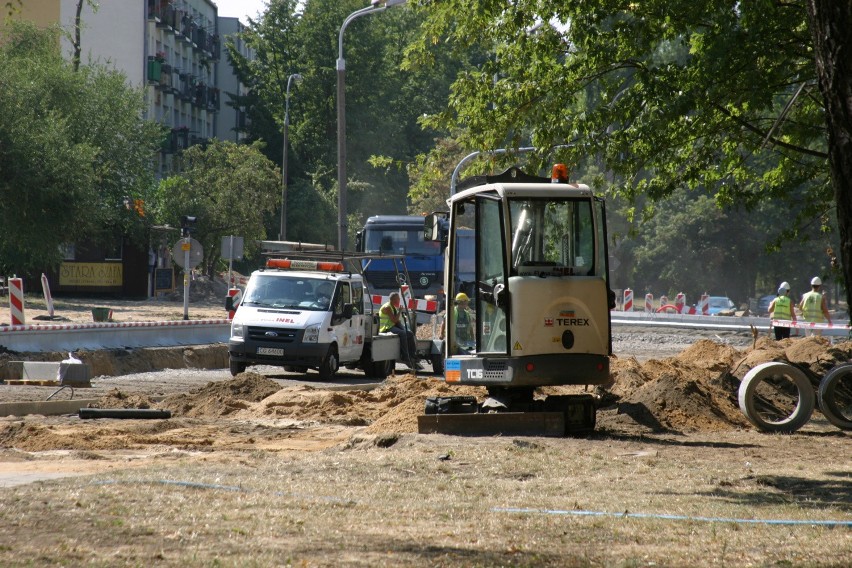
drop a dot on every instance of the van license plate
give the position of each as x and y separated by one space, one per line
270 351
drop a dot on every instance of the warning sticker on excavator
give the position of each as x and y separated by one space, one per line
452 370
517 346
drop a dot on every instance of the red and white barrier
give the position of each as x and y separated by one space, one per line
628 300
413 303
16 301
48 299
680 302
664 301
704 304
649 303
237 280
799 324
237 296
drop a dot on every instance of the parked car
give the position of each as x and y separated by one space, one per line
763 304
720 304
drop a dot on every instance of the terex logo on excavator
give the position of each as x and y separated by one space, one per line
568 318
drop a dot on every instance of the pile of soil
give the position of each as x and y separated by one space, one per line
694 391
202 289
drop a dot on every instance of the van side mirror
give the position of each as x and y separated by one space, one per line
432 228
348 310
229 303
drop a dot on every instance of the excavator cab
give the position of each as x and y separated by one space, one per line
541 300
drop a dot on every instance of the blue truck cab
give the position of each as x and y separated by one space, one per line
401 235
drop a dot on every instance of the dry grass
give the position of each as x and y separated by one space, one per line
362 504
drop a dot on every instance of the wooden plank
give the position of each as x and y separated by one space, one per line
31 383
494 424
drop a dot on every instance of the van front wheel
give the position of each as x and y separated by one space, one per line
330 364
237 367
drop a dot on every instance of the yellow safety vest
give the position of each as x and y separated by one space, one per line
385 322
783 307
812 307
463 331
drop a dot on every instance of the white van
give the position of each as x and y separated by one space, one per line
302 314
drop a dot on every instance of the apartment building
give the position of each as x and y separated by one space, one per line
171 48
230 121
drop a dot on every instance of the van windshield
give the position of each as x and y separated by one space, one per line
275 291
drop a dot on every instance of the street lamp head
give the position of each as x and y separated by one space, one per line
385 3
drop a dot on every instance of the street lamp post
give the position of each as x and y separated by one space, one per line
375 6
282 235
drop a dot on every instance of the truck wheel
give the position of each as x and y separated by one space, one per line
765 408
380 369
330 364
835 399
237 367
437 364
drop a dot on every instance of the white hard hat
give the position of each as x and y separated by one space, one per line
784 287
815 281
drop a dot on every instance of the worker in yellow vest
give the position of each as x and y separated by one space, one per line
781 310
813 305
391 320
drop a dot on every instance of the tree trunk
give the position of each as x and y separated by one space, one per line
831 28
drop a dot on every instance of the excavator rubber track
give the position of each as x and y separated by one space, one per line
554 416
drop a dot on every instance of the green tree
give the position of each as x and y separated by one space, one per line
229 188
73 150
717 97
384 104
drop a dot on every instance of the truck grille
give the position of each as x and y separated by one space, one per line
388 280
272 334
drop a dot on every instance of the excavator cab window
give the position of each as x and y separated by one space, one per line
553 237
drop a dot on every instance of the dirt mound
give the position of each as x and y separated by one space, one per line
222 398
391 408
695 390
202 288
117 399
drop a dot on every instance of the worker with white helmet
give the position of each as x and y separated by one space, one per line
781 311
813 305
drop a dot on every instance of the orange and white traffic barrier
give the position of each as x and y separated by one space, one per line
237 296
649 303
664 301
628 300
48 299
16 301
680 302
704 304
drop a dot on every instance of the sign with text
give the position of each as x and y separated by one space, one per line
91 274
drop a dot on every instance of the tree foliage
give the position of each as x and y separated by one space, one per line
384 103
717 97
229 188
73 150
